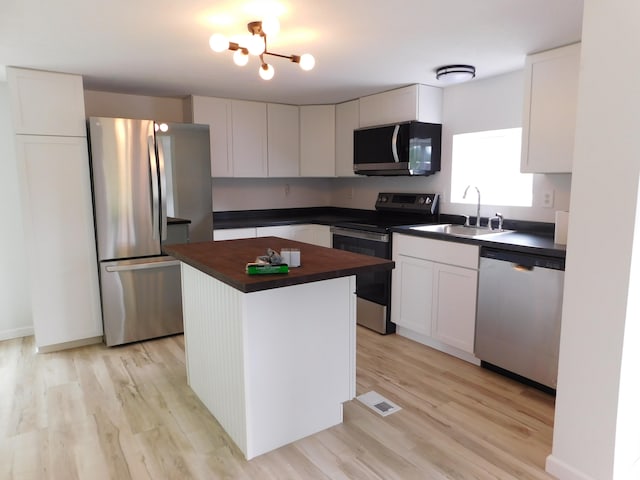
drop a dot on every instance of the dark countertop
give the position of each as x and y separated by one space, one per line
525 242
226 260
529 237
287 216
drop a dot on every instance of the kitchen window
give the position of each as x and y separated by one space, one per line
490 160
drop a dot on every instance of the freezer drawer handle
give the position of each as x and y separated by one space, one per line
143 266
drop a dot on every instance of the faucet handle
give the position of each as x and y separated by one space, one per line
498 216
466 220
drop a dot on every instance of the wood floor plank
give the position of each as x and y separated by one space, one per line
127 413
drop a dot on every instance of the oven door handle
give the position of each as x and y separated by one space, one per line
375 237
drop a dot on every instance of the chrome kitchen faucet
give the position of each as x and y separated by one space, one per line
464 195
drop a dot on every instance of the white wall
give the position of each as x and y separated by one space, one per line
598 402
15 303
487 104
268 193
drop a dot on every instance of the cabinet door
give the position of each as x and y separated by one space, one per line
59 229
47 103
216 112
282 231
412 293
283 132
551 95
398 105
308 233
249 120
317 141
233 233
347 120
454 306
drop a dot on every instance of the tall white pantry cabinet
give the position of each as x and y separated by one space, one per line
53 167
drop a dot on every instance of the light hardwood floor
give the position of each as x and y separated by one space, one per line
126 412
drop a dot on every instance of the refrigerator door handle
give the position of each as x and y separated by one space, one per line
163 191
142 266
155 193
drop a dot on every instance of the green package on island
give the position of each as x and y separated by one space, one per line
256 269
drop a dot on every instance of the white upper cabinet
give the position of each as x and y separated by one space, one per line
347 120
216 112
46 103
249 127
283 132
317 141
550 102
415 102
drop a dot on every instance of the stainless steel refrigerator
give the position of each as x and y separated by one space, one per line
144 176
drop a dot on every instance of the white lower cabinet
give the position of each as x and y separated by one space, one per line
234 233
434 289
308 233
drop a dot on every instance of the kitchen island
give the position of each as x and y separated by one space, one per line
271 356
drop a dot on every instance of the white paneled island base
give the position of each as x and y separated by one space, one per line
272 366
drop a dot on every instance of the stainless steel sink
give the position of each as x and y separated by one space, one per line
459 230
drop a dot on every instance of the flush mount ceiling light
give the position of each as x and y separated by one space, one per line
455 73
256 45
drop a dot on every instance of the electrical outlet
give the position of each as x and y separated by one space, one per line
547 198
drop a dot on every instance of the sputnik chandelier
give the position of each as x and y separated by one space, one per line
256 44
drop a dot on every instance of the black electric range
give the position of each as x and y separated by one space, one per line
372 236
397 209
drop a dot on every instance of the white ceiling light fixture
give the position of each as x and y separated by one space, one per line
257 45
455 73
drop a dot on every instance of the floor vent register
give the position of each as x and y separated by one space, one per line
378 403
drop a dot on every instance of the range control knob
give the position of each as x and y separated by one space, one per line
421 200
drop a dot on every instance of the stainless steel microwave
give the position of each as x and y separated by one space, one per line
408 148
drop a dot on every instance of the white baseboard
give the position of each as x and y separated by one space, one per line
16 333
433 343
564 471
68 345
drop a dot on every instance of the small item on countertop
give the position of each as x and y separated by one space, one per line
266 268
272 257
272 262
285 253
294 257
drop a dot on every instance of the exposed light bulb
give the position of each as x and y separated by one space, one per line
266 71
218 42
307 62
270 25
164 127
256 45
240 58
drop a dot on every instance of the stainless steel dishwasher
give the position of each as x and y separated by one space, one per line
518 314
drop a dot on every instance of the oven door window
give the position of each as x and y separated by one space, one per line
374 286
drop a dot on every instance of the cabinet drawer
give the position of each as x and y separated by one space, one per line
440 251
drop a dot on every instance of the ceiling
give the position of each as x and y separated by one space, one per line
160 47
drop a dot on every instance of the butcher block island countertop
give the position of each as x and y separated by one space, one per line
273 357
225 260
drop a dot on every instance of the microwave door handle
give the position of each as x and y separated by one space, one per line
394 144
155 193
